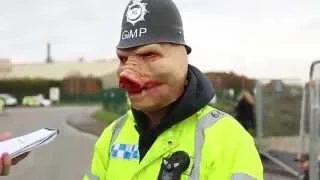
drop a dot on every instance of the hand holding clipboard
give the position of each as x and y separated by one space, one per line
14 150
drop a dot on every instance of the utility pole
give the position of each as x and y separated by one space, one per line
243 76
243 86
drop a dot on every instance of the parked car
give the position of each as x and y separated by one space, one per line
36 101
43 101
1 104
8 99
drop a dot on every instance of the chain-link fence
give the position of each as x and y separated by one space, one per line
115 100
281 105
278 109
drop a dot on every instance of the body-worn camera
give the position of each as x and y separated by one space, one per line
173 166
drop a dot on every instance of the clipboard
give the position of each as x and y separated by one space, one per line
28 142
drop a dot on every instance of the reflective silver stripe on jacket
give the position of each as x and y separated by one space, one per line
241 176
117 128
207 121
91 176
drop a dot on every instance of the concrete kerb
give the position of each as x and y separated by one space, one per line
275 169
86 124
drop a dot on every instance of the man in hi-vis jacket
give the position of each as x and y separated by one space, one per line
170 132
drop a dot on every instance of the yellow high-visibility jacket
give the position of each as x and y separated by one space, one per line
218 147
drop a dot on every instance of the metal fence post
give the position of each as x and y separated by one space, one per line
259 111
302 144
314 131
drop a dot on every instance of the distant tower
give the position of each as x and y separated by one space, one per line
49 58
81 59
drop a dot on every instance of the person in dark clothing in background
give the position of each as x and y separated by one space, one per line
304 165
245 111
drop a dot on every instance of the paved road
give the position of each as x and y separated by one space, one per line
271 176
66 158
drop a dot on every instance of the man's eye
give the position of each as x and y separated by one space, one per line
122 59
150 56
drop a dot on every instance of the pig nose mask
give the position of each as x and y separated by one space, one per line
132 80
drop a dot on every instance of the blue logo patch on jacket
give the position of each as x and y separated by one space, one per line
125 151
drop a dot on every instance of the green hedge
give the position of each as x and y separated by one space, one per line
26 86
106 116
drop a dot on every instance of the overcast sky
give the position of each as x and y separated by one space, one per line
264 39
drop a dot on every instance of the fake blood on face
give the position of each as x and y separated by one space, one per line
135 85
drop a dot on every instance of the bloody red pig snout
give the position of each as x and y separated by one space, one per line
133 83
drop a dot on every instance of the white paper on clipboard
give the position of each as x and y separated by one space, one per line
19 145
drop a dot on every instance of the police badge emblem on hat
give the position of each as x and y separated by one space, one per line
136 11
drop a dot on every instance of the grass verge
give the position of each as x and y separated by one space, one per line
106 116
